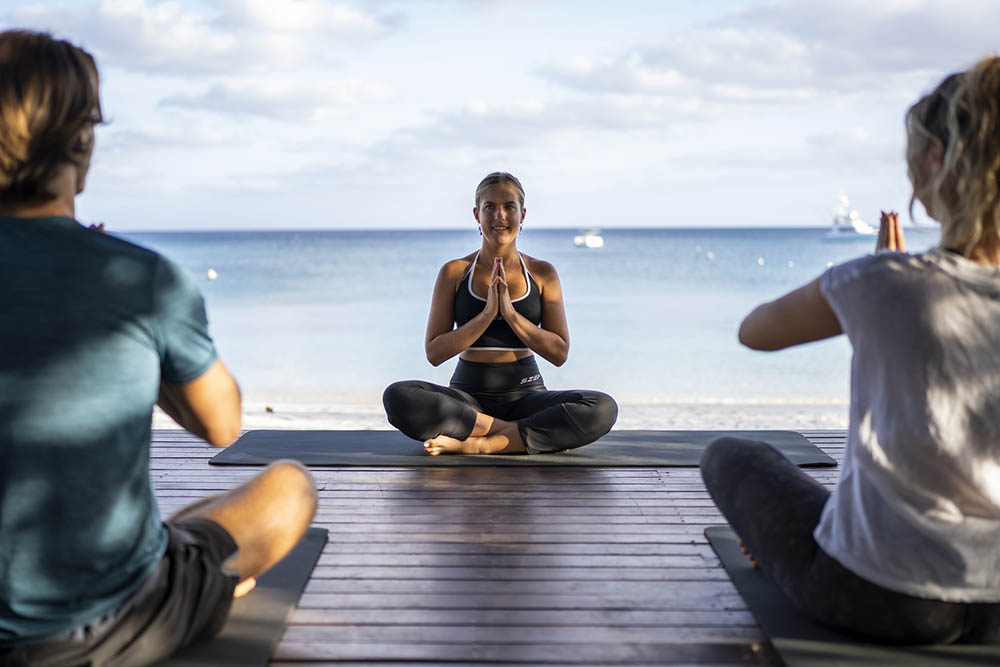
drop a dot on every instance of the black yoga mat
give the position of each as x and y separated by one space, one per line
803 643
257 619
647 449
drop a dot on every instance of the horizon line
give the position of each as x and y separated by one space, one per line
208 230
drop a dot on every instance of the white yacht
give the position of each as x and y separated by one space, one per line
848 225
589 238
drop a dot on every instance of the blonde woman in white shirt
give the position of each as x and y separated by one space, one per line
907 546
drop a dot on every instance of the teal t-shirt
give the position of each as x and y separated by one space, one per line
89 324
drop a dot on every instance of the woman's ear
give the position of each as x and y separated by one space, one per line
934 155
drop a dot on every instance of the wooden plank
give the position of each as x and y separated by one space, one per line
651 591
499 633
694 596
529 574
460 618
655 652
363 551
434 663
514 559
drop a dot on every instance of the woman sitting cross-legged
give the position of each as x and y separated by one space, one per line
906 549
496 308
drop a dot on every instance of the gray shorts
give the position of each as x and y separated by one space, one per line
185 600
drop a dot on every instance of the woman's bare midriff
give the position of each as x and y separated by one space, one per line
494 356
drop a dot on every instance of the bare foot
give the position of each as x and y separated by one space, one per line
746 552
444 444
504 440
244 587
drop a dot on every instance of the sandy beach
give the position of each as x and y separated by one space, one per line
346 415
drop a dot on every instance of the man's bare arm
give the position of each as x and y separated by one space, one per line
208 406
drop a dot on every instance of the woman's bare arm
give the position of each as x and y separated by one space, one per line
442 340
801 316
550 340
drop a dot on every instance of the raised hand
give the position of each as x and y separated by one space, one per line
890 234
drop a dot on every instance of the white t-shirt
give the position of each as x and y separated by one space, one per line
917 506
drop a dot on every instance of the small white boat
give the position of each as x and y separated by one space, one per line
589 238
848 225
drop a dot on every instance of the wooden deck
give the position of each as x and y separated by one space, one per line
532 566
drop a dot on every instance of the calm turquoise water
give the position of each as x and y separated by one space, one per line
340 314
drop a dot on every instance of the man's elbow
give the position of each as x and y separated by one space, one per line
225 432
220 438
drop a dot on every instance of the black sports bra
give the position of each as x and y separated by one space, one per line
499 335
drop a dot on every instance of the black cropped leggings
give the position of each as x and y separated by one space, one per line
774 507
548 421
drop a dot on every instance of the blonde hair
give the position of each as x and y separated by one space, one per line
48 93
963 113
499 177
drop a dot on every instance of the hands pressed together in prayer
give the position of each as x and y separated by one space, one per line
498 299
890 233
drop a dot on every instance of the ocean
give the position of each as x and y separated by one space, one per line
337 315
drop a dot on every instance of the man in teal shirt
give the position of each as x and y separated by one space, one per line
95 331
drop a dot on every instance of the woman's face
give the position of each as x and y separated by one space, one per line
499 213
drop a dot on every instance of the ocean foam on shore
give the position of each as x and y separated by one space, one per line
652 415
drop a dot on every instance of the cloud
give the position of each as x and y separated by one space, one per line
311 16
852 37
161 37
167 37
529 125
794 52
627 74
199 131
282 100
842 137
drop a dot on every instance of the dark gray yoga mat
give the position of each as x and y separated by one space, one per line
257 620
647 449
802 643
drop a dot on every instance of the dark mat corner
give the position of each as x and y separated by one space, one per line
801 642
257 620
619 448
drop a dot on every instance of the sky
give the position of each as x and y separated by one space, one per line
370 114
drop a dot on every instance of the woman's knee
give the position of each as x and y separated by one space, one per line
604 411
396 396
728 453
717 454
400 400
